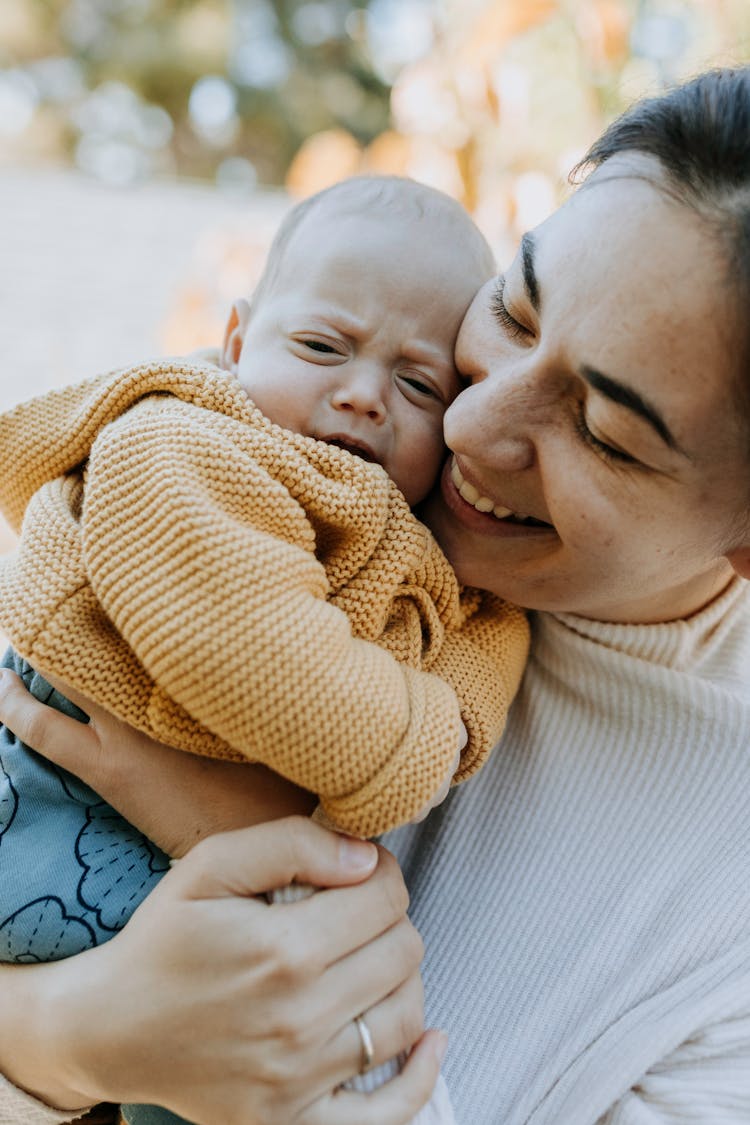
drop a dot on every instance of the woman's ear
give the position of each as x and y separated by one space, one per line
234 335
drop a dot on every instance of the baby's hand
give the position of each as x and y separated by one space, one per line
442 792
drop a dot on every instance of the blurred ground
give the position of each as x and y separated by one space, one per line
95 277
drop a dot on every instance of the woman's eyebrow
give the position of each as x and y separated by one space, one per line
632 400
605 384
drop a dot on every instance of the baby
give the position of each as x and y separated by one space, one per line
225 556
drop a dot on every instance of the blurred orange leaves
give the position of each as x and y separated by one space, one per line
512 92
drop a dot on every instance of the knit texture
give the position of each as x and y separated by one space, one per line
214 580
585 903
19 1108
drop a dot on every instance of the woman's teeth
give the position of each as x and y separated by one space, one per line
472 496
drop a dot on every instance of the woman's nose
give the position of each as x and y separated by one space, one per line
493 421
362 394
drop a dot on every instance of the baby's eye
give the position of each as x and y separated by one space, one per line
418 388
419 385
320 346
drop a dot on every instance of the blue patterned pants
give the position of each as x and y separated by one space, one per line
72 870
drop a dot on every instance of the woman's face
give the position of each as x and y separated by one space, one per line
602 408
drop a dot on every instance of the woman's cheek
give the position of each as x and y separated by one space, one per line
592 524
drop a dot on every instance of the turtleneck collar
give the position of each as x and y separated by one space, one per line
687 645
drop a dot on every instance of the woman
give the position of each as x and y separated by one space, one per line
584 904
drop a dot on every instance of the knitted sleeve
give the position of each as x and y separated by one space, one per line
203 561
50 435
705 1079
483 661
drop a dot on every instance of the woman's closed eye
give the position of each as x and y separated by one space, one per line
608 452
503 316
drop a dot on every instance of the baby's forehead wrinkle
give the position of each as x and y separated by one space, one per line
343 320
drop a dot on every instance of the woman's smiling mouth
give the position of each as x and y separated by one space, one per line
486 505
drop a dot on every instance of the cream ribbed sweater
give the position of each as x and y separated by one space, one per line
214 580
586 899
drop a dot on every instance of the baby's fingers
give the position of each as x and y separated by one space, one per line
55 736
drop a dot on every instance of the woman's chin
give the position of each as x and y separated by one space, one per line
484 574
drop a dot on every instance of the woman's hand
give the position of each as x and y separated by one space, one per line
174 798
227 1010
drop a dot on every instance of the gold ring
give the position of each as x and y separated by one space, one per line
365 1039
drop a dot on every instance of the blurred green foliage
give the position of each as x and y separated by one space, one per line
244 82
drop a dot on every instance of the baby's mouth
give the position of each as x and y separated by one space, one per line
353 445
468 492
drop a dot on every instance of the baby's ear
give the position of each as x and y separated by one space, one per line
234 335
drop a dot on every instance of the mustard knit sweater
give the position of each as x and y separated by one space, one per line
218 581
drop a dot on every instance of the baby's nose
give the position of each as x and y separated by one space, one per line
363 395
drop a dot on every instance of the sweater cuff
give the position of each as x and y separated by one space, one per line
19 1108
412 775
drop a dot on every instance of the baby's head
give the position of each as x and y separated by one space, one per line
350 333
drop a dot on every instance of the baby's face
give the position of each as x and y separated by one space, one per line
353 343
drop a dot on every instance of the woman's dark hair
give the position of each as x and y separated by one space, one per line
700 134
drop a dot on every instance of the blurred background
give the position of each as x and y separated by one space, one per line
148 148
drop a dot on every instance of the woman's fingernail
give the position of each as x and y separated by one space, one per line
357 855
441 1047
